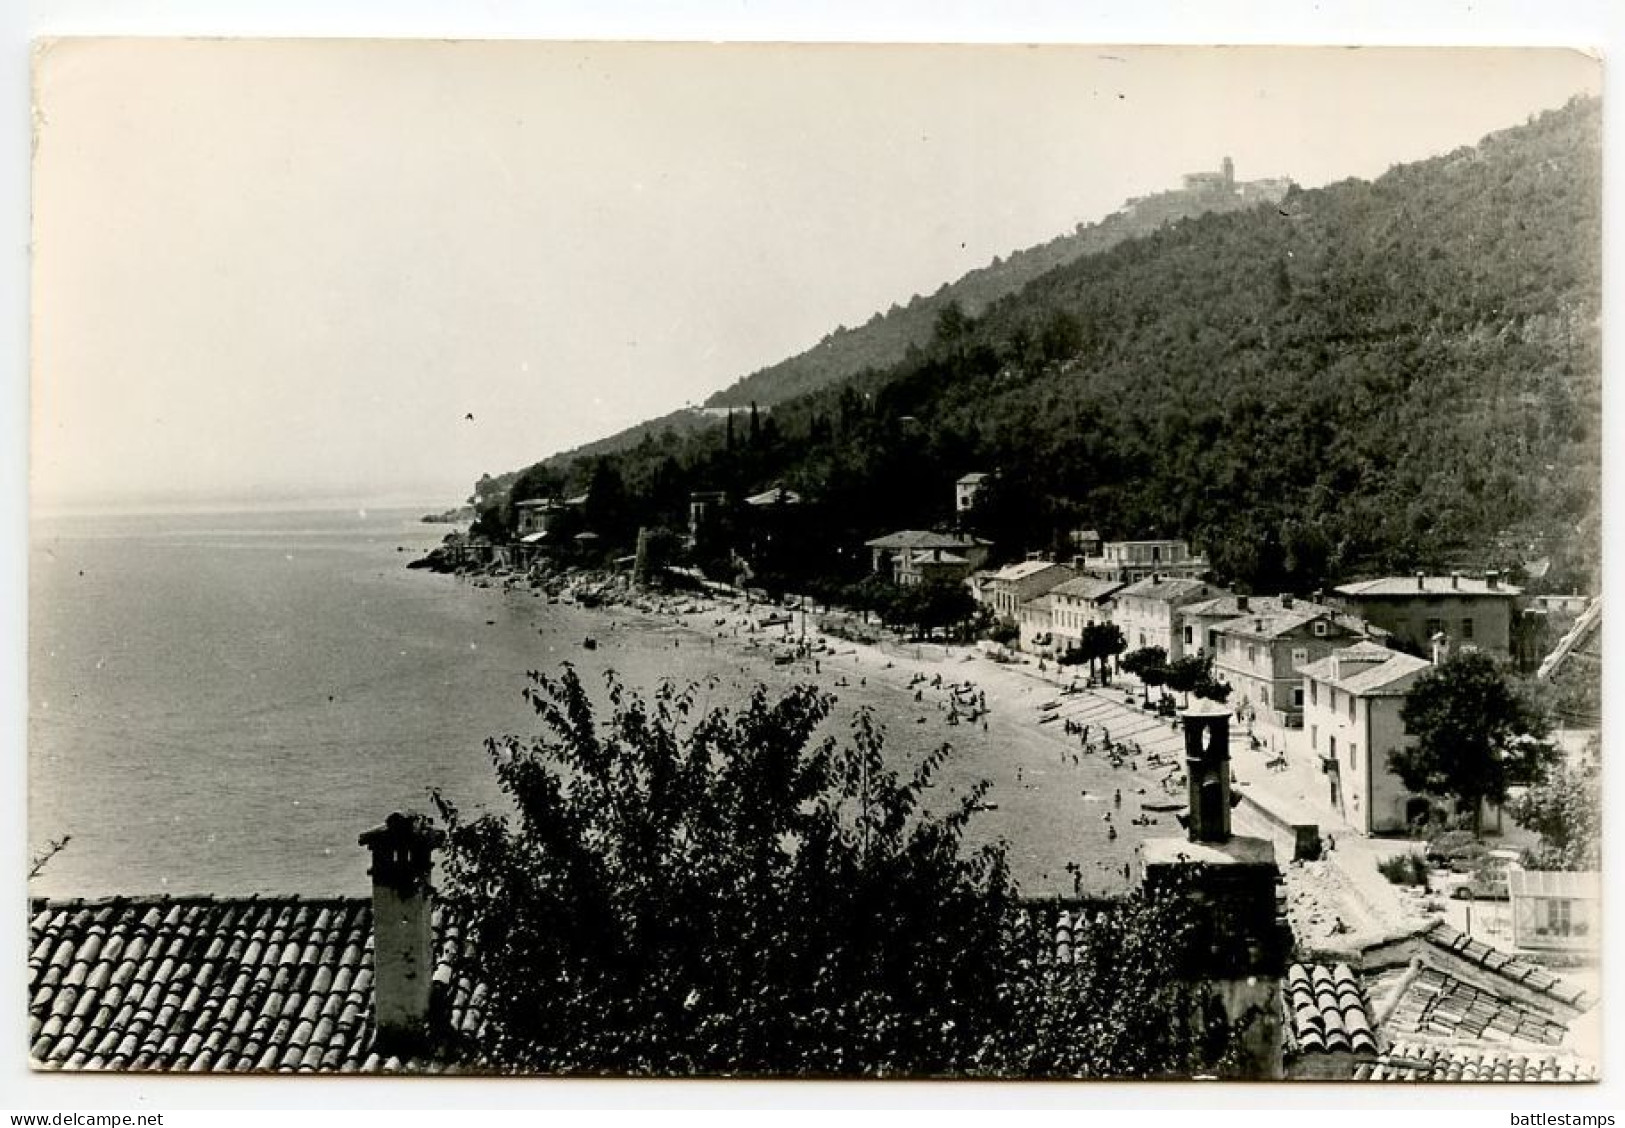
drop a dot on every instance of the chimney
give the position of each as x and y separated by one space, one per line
1241 604
1207 771
403 932
1286 603
1492 579
1455 580
1156 577
1421 582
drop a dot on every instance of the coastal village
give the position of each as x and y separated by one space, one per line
1281 792
1139 726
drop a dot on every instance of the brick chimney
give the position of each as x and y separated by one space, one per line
1455 581
1421 581
1242 604
1492 579
1286 603
403 931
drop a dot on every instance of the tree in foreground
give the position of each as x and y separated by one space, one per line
684 891
1472 735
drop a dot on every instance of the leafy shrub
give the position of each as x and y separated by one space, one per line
1405 869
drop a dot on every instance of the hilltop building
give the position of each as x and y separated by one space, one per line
1206 191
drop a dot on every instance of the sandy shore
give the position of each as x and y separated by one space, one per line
1069 816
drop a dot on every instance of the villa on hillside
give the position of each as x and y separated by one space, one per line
912 556
1131 561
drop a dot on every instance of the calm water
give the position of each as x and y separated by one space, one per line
222 702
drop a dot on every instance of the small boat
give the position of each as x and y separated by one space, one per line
1163 808
1048 705
589 643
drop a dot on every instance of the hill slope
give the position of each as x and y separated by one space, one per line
887 336
1390 374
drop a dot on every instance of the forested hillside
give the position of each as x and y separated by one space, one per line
886 338
1375 375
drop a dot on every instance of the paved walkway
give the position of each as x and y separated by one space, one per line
1337 904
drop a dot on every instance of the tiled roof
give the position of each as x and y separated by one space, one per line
1367 677
1169 589
923 538
1326 1010
1426 585
1229 606
778 495
1437 1004
1269 624
1531 976
1022 569
1418 1061
1086 587
972 478
275 984
1048 931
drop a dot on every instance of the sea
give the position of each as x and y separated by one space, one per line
221 702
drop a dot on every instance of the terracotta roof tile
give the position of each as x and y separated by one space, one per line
1511 967
1417 1061
1326 1010
214 984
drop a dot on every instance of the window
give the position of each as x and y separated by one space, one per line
1331 748
1320 628
1351 707
1314 738
1435 626
1212 640
1466 628
1190 636
1559 916
1252 653
1314 693
1297 697
1300 656
1354 756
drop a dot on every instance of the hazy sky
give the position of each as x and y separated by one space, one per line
267 269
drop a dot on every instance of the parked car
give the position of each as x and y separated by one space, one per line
1489 881
1458 850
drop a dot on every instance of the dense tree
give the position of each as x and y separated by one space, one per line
1099 643
684 892
1472 735
1194 674
1149 664
1565 809
1396 374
